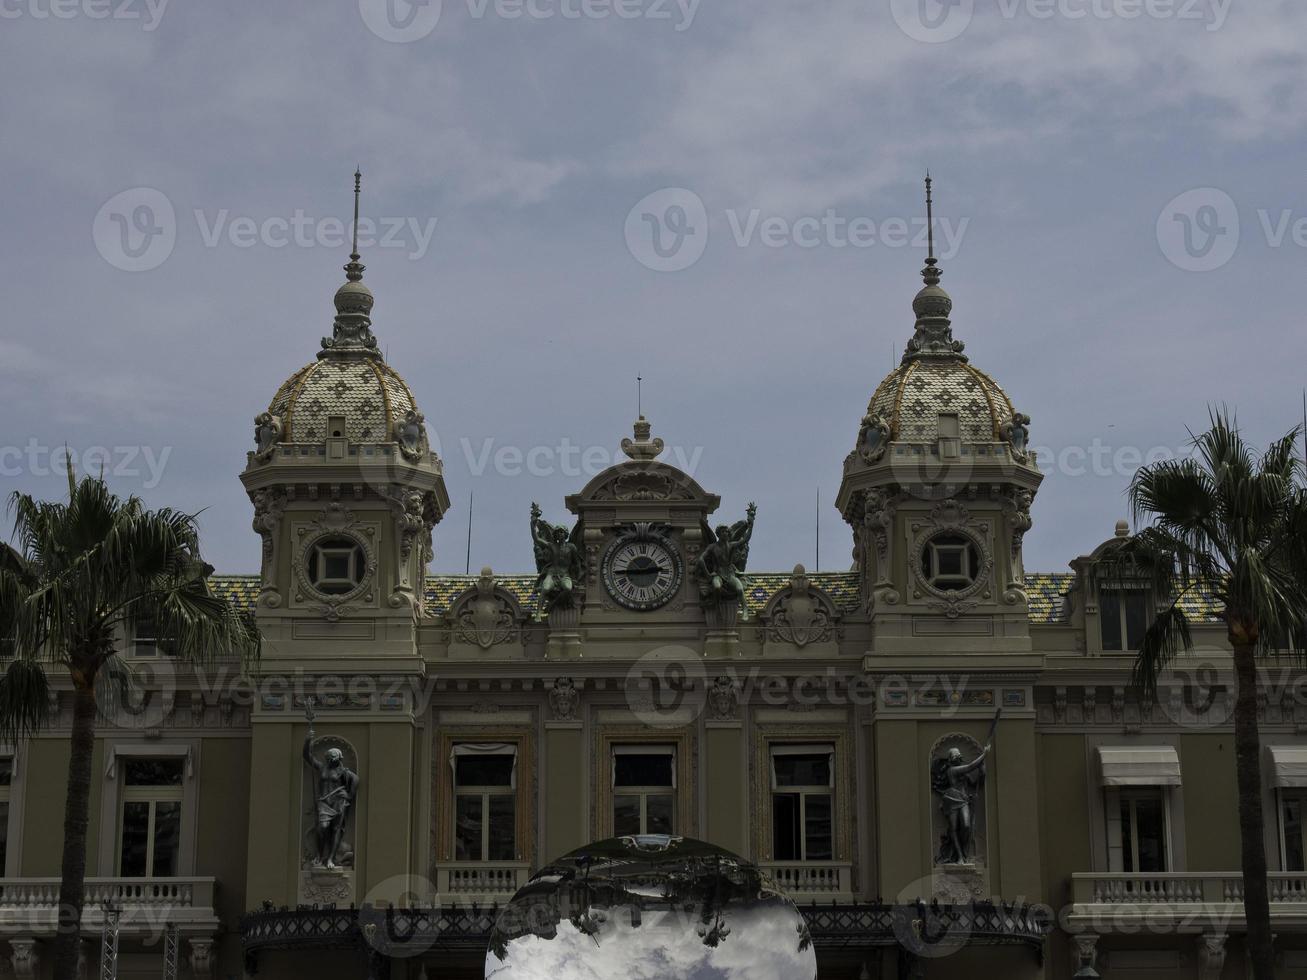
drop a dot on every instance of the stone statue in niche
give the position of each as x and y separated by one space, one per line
335 787
958 784
723 559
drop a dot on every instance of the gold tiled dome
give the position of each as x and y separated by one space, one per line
366 392
914 395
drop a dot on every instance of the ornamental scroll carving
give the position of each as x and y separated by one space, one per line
486 615
800 613
643 485
269 506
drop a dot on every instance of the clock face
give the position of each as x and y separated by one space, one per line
641 572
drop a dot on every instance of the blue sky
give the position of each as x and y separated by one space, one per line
1122 181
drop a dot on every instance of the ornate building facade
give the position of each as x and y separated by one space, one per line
936 753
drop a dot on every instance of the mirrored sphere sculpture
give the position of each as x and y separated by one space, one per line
650 908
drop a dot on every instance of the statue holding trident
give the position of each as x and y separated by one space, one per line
957 784
334 787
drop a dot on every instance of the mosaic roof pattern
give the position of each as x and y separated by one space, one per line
366 391
1047 592
914 394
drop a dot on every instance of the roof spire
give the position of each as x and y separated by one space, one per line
930 273
934 336
351 334
354 270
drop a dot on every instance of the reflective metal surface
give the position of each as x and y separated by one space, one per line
650 908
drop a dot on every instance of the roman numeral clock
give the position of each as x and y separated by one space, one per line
642 568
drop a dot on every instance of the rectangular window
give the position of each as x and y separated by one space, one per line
1143 831
485 802
803 781
148 643
1124 616
150 824
1292 828
644 790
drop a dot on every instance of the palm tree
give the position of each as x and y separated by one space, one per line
81 574
1232 528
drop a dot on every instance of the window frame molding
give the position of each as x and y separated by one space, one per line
1100 849
113 797
442 789
17 801
644 792
685 766
802 792
840 739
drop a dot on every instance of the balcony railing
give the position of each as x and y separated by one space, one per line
1103 901
480 881
806 881
31 904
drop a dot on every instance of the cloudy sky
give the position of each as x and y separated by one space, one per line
1120 200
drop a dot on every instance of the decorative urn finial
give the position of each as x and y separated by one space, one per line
642 447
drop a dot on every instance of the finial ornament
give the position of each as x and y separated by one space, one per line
931 272
932 305
354 270
351 334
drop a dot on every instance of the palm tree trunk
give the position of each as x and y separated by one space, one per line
1248 768
72 887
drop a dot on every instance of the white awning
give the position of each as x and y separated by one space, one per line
484 748
1139 765
1288 766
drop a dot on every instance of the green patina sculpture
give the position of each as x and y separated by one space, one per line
720 565
559 562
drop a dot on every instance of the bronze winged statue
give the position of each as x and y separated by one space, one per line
559 562
720 566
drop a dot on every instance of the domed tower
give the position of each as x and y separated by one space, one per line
938 491
346 490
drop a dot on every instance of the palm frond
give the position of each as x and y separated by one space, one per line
24 700
1165 639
